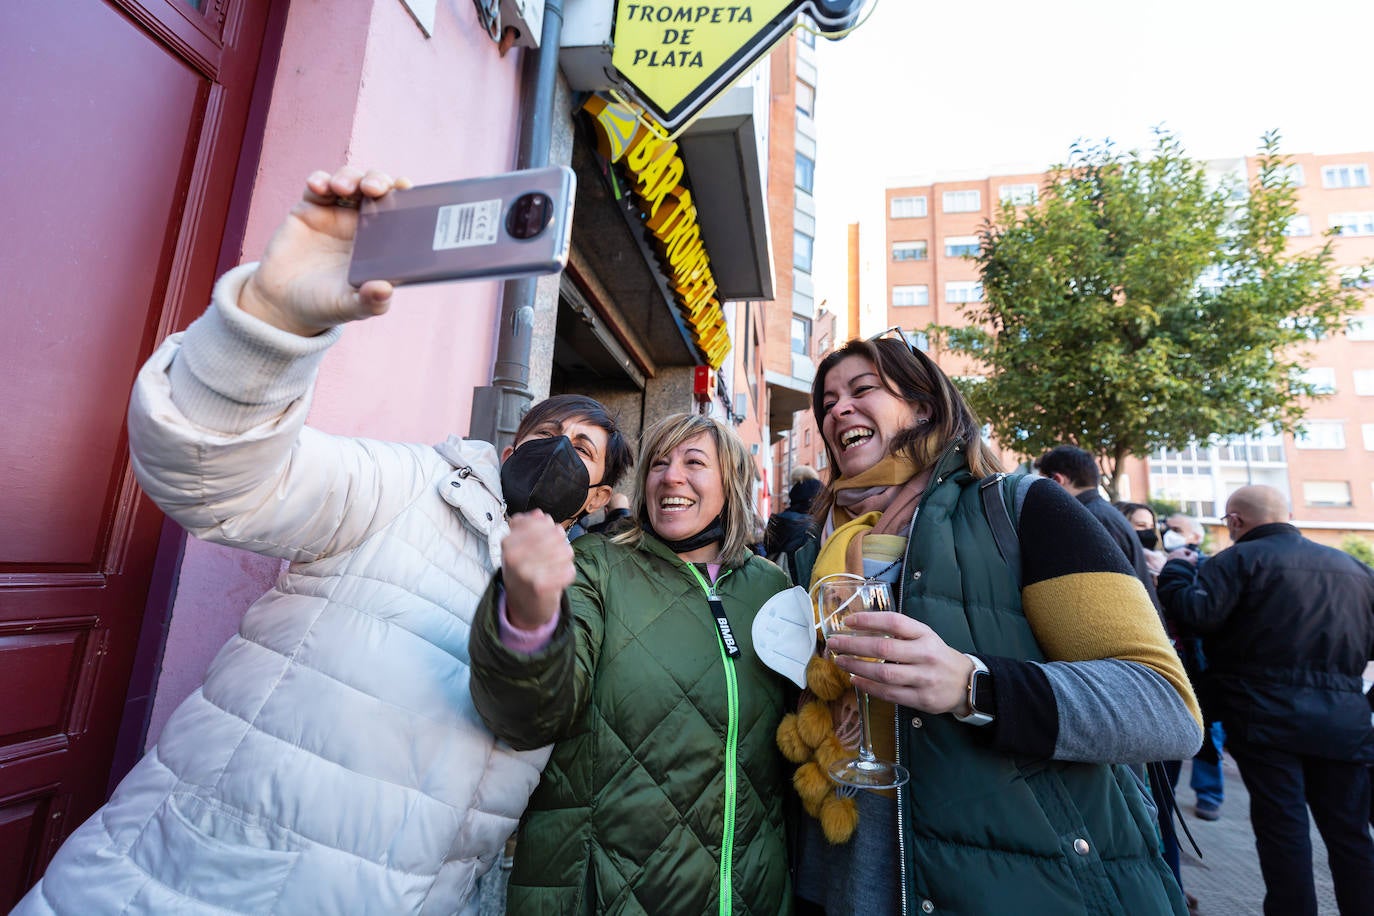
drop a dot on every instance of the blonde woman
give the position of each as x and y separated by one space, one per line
634 657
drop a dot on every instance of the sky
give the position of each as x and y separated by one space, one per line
930 91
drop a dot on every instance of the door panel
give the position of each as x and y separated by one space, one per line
116 190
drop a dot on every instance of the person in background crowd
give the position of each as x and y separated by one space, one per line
1288 626
789 528
332 761
635 655
1008 697
1206 781
1142 519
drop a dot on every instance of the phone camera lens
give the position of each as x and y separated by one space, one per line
529 215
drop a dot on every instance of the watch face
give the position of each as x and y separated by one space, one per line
978 692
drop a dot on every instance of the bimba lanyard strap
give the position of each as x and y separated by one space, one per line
727 634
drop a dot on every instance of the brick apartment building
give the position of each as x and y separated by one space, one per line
1328 471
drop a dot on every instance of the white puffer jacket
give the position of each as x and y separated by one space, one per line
332 762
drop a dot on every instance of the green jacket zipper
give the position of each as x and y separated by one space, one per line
727 840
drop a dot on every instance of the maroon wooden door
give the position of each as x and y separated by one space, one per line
124 123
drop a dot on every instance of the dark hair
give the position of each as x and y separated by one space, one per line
561 408
801 494
912 376
1071 461
1129 509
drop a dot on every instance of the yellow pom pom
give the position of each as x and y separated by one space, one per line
831 750
790 741
826 679
814 724
812 784
839 817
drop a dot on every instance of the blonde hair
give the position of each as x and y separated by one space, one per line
736 474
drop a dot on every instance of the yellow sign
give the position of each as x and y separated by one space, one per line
669 49
656 172
674 58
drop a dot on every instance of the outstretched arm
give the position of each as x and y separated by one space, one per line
216 420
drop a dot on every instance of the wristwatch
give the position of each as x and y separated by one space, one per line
979 694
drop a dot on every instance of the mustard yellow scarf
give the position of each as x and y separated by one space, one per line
808 737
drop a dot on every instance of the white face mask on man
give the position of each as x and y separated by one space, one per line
1173 540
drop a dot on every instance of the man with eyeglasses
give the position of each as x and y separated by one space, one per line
1288 625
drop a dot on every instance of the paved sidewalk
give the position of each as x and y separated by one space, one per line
1227 882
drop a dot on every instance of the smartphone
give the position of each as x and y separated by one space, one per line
502 226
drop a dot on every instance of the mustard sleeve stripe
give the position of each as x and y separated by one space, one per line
1094 615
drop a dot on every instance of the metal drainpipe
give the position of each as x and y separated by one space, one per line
498 407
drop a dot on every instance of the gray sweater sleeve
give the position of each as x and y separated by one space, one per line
1115 711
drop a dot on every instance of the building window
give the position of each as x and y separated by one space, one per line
1357 278
805 35
1299 225
961 246
1345 176
1353 223
802 250
806 172
1367 430
908 207
909 251
962 201
910 295
1292 173
1326 492
1322 434
801 335
1020 195
1360 328
964 291
1364 382
806 99
1321 378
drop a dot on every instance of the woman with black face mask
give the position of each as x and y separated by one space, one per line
1142 519
634 656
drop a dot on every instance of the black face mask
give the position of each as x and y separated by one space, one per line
546 474
713 532
1148 538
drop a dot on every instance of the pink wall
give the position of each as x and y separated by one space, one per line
359 83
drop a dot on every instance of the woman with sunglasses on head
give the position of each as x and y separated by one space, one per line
1009 695
634 657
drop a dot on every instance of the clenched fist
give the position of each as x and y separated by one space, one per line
536 566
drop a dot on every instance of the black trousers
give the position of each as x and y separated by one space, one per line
1282 787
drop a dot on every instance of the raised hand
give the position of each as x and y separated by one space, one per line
536 566
301 285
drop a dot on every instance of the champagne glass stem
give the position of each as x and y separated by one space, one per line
865 735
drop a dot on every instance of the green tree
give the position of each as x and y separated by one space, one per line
1359 548
1138 305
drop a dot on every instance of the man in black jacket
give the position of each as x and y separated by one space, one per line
1287 625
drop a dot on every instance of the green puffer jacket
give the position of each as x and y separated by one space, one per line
664 746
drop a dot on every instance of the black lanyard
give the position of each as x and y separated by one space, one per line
727 633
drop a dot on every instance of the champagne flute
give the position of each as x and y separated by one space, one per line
836 597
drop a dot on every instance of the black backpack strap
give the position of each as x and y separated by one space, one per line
1000 520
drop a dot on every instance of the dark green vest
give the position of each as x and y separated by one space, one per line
982 833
